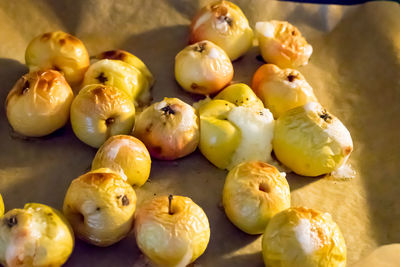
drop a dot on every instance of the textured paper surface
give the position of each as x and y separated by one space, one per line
354 71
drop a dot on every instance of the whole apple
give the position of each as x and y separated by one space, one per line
135 62
127 156
169 129
59 51
224 24
282 44
100 111
253 193
203 68
172 231
121 75
39 103
281 89
311 141
231 134
100 206
36 235
303 237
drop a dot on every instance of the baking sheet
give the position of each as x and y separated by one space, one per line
354 71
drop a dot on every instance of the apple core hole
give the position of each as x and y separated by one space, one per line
264 188
110 121
80 217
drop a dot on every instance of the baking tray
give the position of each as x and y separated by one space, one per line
354 71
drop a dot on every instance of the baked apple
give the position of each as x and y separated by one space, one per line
311 141
172 231
231 134
59 51
39 103
121 75
100 111
169 129
303 237
203 68
100 206
144 96
36 235
127 156
224 24
282 44
281 89
253 193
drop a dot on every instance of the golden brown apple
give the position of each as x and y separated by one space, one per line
127 156
282 44
100 111
100 206
281 89
39 103
172 231
169 129
203 68
224 24
59 51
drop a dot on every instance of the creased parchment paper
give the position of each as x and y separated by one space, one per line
354 71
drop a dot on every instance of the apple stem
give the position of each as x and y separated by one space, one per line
170 197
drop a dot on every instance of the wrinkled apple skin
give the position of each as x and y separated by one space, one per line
143 96
253 193
59 51
303 237
127 156
240 94
282 44
36 235
100 206
219 138
118 74
99 112
169 129
175 239
203 68
39 103
281 89
224 24
310 141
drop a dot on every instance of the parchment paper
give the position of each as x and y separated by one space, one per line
354 71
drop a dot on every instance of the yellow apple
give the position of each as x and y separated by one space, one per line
59 51
203 68
224 24
127 156
282 44
169 129
121 75
100 206
172 231
311 141
1 206
253 193
39 103
36 235
241 95
231 134
303 237
134 61
281 89
100 111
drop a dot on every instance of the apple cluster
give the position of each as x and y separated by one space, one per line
237 130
